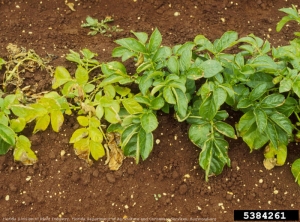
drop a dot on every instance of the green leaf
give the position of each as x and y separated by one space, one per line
111 112
228 39
94 122
4 119
195 73
23 152
225 129
181 102
27 112
149 122
111 79
282 22
168 95
214 156
261 119
245 123
18 124
296 86
95 134
57 119
74 57
61 76
154 41
157 103
260 78
273 100
219 96
142 36
254 138
42 123
288 107
132 106
99 111
114 67
204 43
9 100
78 135
185 60
208 108
285 85
272 133
132 44
211 68
109 91
2 62
198 133
129 139
122 52
162 54
7 134
258 91
144 66
4 147
83 120
122 91
173 65
81 75
296 170
97 149
145 144
244 103
283 122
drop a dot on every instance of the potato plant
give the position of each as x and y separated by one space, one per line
196 80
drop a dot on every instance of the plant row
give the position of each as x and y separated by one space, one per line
195 80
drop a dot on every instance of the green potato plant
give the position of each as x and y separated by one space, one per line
101 27
197 80
10 129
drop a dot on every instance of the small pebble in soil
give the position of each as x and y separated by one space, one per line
95 173
229 195
183 189
176 14
7 197
234 164
175 174
110 178
12 187
52 155
62 153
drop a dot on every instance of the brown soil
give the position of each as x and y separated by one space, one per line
65 187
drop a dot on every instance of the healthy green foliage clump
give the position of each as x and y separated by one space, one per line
196 80
101 27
